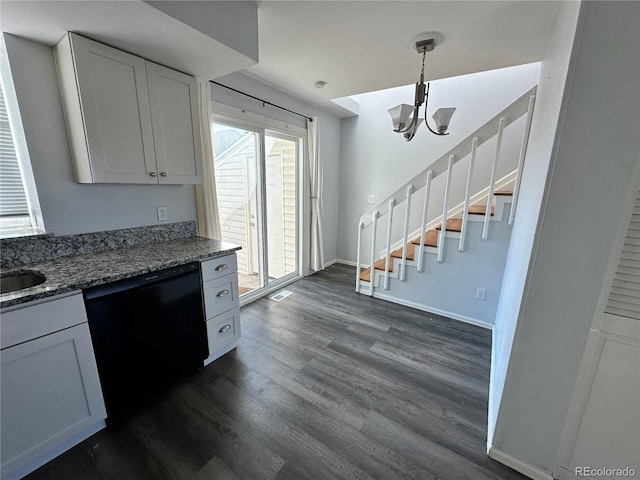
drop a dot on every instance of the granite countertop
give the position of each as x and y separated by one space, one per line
73 273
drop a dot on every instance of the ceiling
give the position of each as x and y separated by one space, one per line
354 46
134 26
362 46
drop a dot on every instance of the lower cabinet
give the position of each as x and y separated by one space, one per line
51 396
221 305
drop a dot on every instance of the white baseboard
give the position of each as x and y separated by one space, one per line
437 311
524 468
346 262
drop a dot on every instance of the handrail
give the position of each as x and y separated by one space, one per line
461 150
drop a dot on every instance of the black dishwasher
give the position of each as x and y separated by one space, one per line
147 331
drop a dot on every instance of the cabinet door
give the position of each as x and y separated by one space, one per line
50 392
115 104
176 126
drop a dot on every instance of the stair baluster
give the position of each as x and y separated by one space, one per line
360 228
523 151
467 194
425 207
445 210
492 182
405 235
372 272
392 204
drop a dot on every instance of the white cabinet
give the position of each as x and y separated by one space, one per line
129 120
51 397
221 304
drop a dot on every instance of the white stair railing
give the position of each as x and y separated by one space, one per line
492 181
387 263
523 151
467 195
445 210
423 224
405 232
445 163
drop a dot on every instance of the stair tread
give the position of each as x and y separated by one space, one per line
365 275
503 192
380 264
430 239
411 249
453 225
480 210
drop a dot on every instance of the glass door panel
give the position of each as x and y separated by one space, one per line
236 156
281 205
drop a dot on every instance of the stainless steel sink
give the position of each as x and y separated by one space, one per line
20 281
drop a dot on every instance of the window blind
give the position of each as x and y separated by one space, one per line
624 298
13 201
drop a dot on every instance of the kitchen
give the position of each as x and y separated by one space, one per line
325 383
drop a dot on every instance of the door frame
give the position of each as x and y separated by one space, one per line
264 126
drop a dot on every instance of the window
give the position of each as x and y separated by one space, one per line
19 207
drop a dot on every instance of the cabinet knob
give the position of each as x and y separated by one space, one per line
222 293
219 268
163 174
225 328
153 174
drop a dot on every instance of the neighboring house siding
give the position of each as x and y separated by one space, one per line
231 179
289 171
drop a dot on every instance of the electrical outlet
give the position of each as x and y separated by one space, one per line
371 199
481 293
163 214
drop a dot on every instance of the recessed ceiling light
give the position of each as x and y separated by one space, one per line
320 84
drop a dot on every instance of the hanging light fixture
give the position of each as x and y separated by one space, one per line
406 118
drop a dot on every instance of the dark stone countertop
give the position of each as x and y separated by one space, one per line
73 273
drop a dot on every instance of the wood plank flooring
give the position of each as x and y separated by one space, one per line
326 384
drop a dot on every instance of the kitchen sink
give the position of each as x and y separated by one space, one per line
20 281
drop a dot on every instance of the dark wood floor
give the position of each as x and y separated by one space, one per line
325 384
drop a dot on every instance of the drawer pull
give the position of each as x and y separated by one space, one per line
219 268
222 293
224 329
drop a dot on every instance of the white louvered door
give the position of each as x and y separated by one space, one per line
624 297
603 428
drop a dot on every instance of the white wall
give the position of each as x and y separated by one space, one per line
329 135
545 124
69 207
594 156
375 160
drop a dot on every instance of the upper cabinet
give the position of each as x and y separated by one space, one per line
129 120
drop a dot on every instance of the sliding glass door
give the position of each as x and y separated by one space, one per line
257 184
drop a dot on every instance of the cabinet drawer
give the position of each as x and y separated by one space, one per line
220 295
41 318
219 267
223 330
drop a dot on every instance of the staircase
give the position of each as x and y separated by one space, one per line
419 241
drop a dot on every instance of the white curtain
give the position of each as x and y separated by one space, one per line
315 176
206 199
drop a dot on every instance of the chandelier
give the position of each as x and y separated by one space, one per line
406 118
